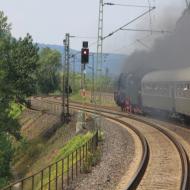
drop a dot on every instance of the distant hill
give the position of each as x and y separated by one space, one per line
113 62
56 47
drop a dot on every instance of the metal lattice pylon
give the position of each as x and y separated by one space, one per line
100 45
65 111
99 60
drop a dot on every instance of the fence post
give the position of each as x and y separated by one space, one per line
49 178
83 155
22 184
32 182
76 161
42 176
91 145
56 168
87 155
72 167
62 173
86 150
96 137
68 170
80 160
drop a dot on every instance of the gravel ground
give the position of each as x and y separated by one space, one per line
118 152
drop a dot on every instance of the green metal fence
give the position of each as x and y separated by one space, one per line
60 174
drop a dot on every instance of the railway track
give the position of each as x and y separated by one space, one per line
164 162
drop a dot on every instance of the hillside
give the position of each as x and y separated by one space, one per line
113 62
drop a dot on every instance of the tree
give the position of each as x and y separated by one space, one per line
5 144
5 27
18 65
20 68
6 152
48 74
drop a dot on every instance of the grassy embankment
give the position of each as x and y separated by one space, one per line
64 152
35 154
16 110
106 99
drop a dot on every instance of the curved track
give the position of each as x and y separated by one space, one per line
164 164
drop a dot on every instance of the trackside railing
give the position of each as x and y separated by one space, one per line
60 174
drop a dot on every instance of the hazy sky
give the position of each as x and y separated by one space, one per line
48 20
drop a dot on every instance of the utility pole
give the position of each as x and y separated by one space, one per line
100 46
93 75
65 116
63 90
73 76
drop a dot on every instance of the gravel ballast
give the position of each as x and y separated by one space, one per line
118 153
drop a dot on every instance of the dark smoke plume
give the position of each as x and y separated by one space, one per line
170 52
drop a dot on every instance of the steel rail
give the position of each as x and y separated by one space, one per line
135 180
183 155
180 149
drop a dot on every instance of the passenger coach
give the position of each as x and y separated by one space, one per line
167 91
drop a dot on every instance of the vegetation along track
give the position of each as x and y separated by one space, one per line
167 166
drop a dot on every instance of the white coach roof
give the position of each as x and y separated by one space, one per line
168 76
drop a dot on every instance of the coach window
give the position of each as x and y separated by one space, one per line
177 90
185 90
185 87
149 88
188 91
145 88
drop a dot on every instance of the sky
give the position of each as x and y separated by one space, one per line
48 21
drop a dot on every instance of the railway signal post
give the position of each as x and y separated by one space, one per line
84 61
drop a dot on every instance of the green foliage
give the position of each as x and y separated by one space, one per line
6 153
48 72
73 144
35 150
18 65
105 83
92 160
4 26
16 110
3 181
21 147
21 67
86 167
96 157
101 136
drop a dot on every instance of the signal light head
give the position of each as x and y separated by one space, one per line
84 55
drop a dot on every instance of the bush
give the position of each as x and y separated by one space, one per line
101 136
86 167
96 157
3 182
35 150
92 160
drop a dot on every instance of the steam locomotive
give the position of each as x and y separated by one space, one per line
128 95
161 91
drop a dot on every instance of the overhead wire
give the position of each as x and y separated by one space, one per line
122 27
134 42
127 5
146 30
133 20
